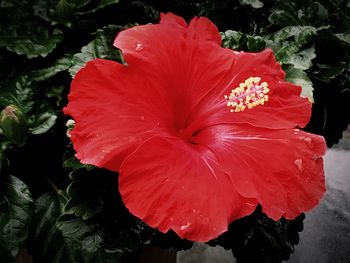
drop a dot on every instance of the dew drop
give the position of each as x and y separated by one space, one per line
139 47
299 163
142 118
184 227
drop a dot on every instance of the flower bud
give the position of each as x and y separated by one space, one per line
13 124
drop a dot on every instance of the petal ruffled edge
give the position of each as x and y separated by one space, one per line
282 169
199 28
172 185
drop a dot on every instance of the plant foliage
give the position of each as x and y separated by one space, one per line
64 211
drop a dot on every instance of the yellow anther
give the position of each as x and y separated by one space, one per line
248 94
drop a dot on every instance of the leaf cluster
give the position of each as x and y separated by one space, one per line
63 211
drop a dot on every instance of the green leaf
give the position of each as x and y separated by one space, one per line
307 12
253 3
82 205
16 211
77 229
43 123
64 10
255 43
31 45
231 39
61 64
303 59
282 18
56 94
96 216
327 73
101 47
24 33
299 77
101 4
72 162
291 40
345 37
258 238
49 245
147 9
18 92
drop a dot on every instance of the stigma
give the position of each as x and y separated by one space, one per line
247 95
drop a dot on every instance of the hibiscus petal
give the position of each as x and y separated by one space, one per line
115 109
198 73
171 19
283 169
173 185
201 28
285 108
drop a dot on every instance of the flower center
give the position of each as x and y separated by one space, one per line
248 94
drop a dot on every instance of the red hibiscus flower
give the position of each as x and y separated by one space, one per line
198 133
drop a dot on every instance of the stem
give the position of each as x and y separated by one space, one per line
52 184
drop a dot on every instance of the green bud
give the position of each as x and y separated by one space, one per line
13 124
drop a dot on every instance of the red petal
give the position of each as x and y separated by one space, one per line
172 19
201 28
115 109
283 169
188 65
173 185
198 73
285 108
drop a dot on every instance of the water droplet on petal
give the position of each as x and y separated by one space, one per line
139 47
142 118
184 227
299 163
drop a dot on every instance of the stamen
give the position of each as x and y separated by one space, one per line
248 94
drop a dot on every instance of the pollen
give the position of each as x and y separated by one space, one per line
248 94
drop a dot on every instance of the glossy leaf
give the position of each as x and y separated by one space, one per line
326 72
299 77
43 123
231 39
95 216
303 59
257 238
61 64
101 47
291 40
16 211
48 244
24 34
100 5
31 46
298 13
345 37
18 92
253 3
